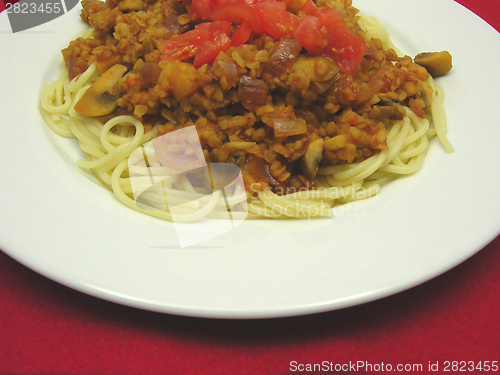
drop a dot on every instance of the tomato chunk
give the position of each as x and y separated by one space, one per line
202 8
237 12
242 34
215 27
182 47
309 8
322 32
203 43
209 50
326 34
276 20
310 36
347 50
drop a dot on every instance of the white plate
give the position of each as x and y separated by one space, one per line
61 224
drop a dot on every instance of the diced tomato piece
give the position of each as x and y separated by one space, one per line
276 20
347 50
241 35
182 47
309 8
310 36
214 27
203 43
249 2
202 8
327 35
334 24
237 12
322 32
288 3
208 51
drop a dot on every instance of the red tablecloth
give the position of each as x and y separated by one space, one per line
46 328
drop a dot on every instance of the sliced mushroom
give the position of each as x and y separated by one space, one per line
337 142
387 107
424 92
312 158
436 63
97 101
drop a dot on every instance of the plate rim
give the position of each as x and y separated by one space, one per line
82 286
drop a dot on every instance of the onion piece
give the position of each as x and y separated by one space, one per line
71 67
288 127
365 94
171 25
150 72
252 90
262 169
283 57
230 71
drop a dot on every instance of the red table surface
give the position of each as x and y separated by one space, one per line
46 328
